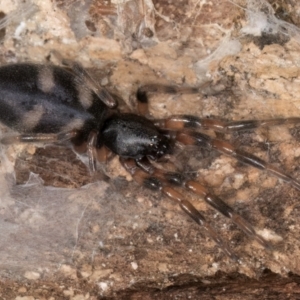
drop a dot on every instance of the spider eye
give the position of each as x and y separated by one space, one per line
154 142
160 146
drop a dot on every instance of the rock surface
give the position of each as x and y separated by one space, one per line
65 235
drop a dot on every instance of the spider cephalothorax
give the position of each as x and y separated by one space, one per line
133 136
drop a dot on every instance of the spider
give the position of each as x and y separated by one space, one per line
51 104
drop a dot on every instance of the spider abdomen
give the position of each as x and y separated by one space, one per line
46 99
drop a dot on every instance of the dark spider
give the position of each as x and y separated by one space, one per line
46 103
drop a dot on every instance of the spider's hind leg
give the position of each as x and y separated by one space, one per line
81 146
38 137
84 79
47 138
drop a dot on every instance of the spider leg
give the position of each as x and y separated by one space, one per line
38 137
100 154
103 154
91 152
143 92
83 78
218 204
178 122
155 183
95 152
205 141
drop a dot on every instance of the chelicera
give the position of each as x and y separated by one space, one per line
47 103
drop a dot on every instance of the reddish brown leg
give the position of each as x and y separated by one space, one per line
178 122
205 141
155 183
218 204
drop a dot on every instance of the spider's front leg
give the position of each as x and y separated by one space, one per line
179 122
155 183
205 141
143 92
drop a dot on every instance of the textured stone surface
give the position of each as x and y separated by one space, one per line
115 240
